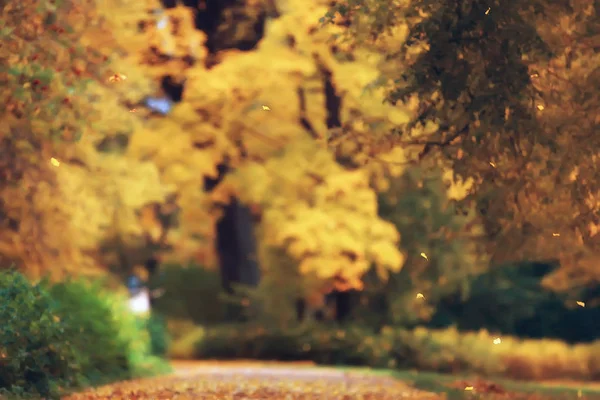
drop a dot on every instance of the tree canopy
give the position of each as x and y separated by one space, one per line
512 88
116 112
60 196
109 159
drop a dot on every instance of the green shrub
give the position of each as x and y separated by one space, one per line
183 346
178 328
352 346
246 341
130 341
71 334
511 299
191 293
36 354
448 350
487 354
92 330
159 335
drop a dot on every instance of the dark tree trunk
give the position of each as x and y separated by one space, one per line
300 309
343 305
236 247
340 302
235 243
151 266
227 249
247 261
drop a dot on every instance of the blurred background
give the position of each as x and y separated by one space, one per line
287 180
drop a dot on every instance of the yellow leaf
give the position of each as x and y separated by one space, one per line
117 78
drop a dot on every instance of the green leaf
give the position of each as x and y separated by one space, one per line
6 31
45 76
20 93
77 136
52 106
83 84
14 71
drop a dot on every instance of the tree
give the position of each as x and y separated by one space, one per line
268 111
324 216
442 246
59 196
269 114
510 91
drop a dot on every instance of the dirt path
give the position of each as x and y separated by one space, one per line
253 380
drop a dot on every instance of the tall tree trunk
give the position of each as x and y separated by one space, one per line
228 249
236 249
249 273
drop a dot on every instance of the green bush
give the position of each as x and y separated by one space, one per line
71 334
159 335
191 293
448 350
36 354
511 299
484 353
247 341
92 330
117 342
350 346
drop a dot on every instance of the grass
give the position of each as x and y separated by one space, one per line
440 383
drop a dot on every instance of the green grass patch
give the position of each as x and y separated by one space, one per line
441 383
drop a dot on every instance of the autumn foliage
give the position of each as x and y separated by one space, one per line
93 178
60 195
513 90
97 162
388 145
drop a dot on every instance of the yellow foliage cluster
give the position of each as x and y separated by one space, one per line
61 196
248 109
325 216
508 356
264 111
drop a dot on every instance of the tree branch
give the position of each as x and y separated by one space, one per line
429 144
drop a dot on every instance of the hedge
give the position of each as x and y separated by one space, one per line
448 350
58 337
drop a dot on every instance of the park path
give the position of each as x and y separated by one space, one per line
238 380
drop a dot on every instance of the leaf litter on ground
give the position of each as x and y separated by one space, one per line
256 381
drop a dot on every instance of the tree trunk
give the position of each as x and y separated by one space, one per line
249 273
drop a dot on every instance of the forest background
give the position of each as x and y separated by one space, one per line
415 154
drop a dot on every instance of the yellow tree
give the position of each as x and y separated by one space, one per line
275 114
60 196
309 146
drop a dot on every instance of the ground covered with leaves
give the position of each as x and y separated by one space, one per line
258 381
